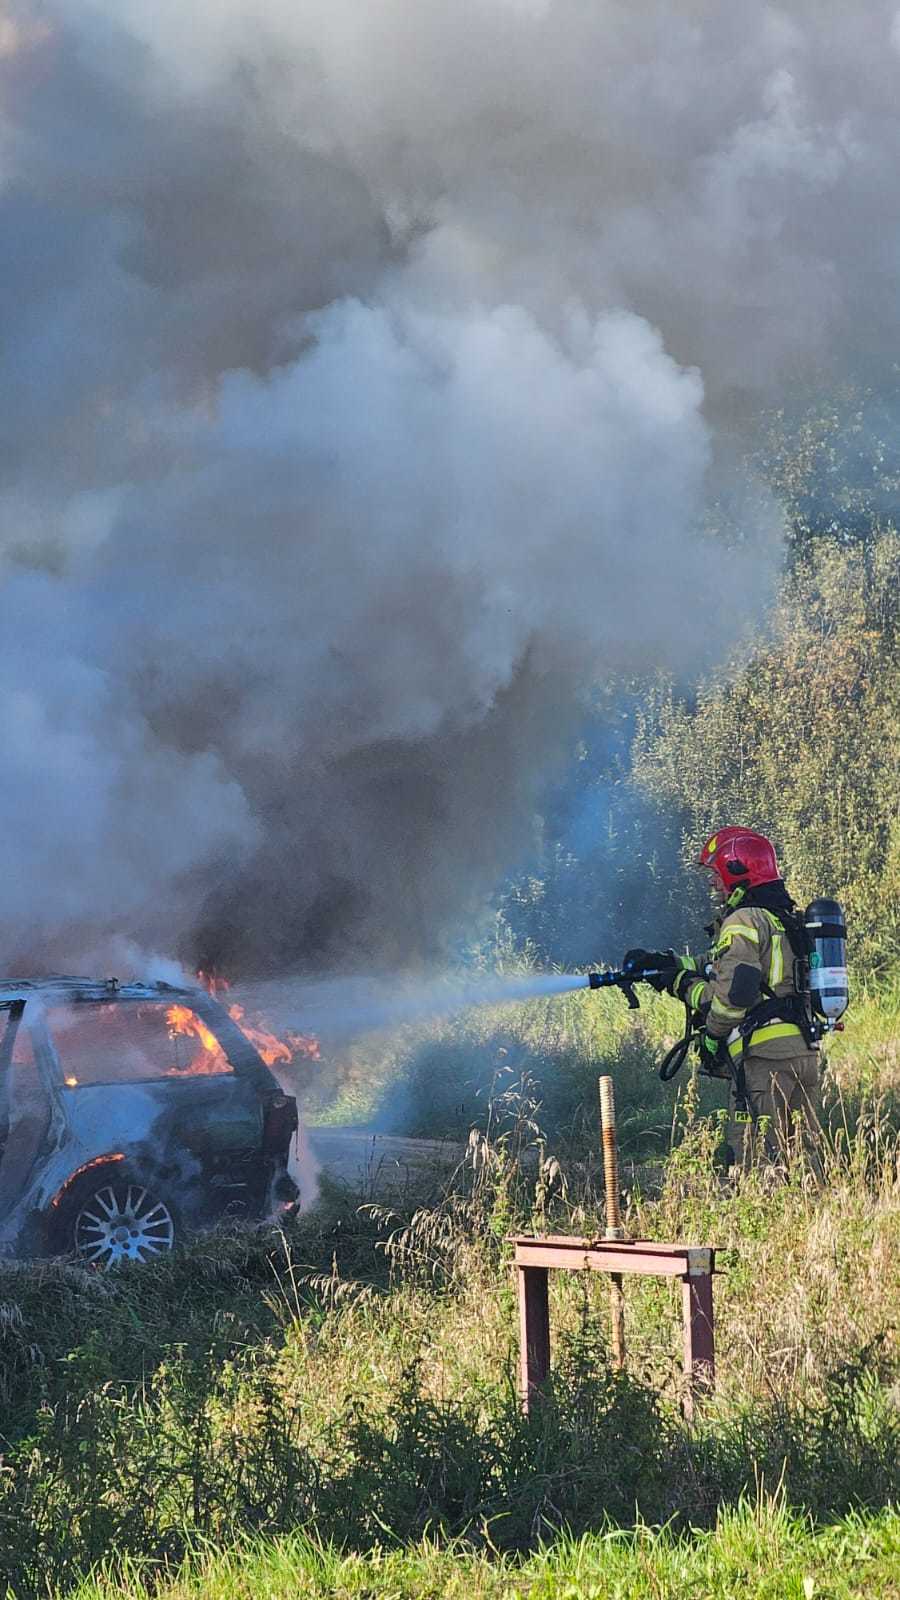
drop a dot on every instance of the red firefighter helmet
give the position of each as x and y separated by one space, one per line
740 858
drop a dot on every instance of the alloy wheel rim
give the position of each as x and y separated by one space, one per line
123 1222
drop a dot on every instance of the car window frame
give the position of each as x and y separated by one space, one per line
48 1064
243 1059
16 1009
45 1059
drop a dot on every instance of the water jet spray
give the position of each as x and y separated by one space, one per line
345 1008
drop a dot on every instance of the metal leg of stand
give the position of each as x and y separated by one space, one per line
534 1331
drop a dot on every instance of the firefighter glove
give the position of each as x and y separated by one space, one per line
714 1057
661 963
682 984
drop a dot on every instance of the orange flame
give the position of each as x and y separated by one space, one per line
212 983
210 1058
270 1047
98 1161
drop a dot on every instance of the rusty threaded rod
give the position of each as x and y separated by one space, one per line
614 1229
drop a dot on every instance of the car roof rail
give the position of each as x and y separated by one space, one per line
64 987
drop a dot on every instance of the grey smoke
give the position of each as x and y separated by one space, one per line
365 372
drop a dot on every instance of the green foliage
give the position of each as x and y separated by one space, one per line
66 1330
835 467
215 1451
799 739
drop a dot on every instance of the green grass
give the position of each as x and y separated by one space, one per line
866 1056
760 1552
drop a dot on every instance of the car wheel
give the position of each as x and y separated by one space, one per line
124 1220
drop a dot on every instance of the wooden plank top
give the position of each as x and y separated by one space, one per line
647 1256
596 1241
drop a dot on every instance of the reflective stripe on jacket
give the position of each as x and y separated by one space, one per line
751 948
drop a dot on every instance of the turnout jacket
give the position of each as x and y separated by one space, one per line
750 948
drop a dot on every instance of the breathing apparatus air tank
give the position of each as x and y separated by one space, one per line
826 933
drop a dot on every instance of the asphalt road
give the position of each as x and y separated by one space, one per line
375 1163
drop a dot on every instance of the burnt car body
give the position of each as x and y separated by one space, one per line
128 1115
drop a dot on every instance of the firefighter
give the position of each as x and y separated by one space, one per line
753 1018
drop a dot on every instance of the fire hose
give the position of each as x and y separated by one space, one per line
624 978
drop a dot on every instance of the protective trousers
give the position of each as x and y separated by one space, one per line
786 1094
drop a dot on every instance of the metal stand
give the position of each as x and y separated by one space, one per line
535 1257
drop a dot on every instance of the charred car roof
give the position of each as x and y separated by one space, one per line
69 988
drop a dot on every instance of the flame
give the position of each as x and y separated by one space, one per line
208 1058
70 1082
271 1048
213 983
98 1161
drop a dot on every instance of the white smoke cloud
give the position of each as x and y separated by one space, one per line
363 371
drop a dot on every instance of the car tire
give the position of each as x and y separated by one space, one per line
120 1216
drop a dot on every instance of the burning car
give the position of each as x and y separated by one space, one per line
131 1113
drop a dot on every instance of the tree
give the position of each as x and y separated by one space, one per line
798 737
